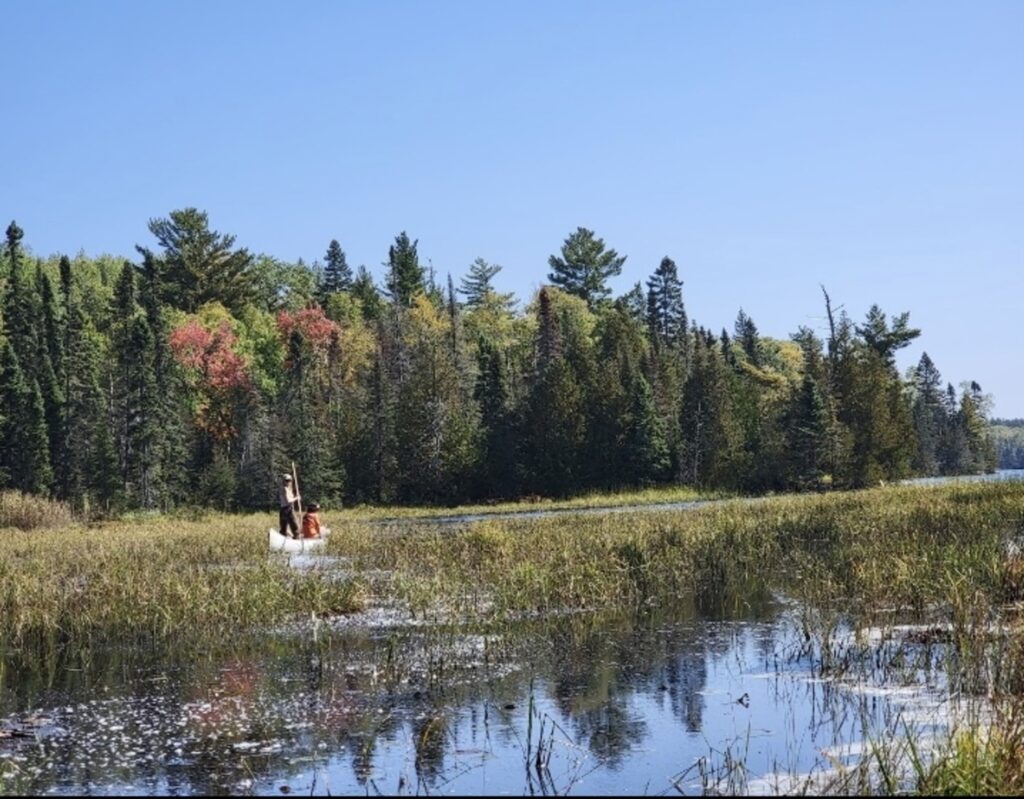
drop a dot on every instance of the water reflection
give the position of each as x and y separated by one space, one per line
605 704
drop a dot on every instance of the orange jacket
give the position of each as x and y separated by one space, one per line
311 525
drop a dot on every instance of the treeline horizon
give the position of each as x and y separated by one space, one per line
1008 436
197 372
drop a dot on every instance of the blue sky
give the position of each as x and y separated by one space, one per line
875 147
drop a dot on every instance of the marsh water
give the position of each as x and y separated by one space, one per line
727 698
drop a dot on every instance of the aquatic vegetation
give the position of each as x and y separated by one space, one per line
910 547
853 570
154 579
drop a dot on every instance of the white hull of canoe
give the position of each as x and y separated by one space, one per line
281 543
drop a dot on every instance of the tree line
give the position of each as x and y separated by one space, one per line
1008 435
196 372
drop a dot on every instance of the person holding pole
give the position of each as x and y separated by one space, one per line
288 501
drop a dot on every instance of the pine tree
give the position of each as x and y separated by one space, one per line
14 236
585 267
200 265
144 418
337 275
405 275
478 289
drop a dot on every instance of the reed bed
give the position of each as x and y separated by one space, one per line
158 579
911 547
594 500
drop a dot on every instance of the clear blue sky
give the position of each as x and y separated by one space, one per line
875 147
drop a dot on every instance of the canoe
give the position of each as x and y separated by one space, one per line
281 543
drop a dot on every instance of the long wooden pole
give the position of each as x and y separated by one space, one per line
295 482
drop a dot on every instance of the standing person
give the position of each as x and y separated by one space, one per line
288 501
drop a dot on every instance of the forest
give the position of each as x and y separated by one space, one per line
196 372
1008 435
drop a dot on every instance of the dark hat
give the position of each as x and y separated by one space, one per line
313 507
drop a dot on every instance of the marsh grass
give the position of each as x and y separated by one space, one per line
156 580
906 547
26 512
593 500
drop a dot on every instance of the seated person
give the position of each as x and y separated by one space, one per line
311 521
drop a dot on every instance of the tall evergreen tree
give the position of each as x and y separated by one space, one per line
585 267
24 446
929 413
665 310
478 286
807 427
405 277
748 338
200 265
645 446
364 290
48 365
496 420
337 274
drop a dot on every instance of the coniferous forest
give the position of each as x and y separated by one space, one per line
196 372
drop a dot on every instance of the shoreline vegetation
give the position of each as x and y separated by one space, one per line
892 546
949 555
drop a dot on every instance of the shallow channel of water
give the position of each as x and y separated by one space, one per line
621 704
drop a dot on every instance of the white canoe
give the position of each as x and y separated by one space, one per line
281 543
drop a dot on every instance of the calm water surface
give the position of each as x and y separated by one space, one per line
654 704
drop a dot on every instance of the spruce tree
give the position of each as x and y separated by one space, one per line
747 337
364 290
405 278
585 267
929 415
496 420
49 371
337 275
645 446
807 431
665 310
24 446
